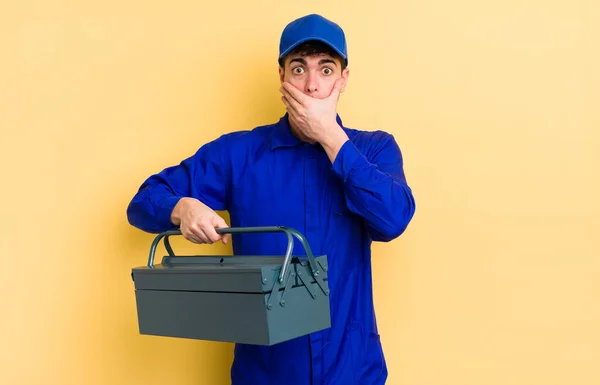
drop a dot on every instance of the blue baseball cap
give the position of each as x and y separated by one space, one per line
313 27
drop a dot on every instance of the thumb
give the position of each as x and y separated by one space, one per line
337 88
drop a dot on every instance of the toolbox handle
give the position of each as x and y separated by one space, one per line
290 232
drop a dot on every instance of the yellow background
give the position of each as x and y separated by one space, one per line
495 105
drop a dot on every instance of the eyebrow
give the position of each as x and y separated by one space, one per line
321 62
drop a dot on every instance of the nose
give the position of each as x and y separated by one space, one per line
312 85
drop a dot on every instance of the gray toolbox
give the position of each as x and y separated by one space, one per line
259 300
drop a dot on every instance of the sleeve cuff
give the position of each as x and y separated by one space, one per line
347 159
165 210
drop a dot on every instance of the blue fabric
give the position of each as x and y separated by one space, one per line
267 177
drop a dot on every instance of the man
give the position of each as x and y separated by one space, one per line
342 188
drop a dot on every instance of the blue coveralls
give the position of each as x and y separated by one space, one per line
267 177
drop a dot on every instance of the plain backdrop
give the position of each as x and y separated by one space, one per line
495 105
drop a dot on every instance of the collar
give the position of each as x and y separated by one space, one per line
282 136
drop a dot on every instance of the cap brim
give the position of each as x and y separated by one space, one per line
291 48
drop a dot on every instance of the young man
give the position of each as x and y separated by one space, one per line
342 188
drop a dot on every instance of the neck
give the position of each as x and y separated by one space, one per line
298 133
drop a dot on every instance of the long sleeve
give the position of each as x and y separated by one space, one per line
375 186
203 176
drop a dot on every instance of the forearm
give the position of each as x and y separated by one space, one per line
151 208
332 141
376 192
202 177
386 203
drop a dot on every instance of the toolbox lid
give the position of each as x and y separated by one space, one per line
241 274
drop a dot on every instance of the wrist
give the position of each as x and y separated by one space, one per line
180 208
335 137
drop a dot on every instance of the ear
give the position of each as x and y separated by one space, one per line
345 76
281 74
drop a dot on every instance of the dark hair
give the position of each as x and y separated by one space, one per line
313 48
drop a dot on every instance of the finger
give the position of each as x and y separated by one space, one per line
337 89
225 238
294 93
195 239
192 237
290 99
293 115
221 224
189 236
289 106
286 102
211 234
199 234
290 110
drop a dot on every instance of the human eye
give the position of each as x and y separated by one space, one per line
327 71
298 70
